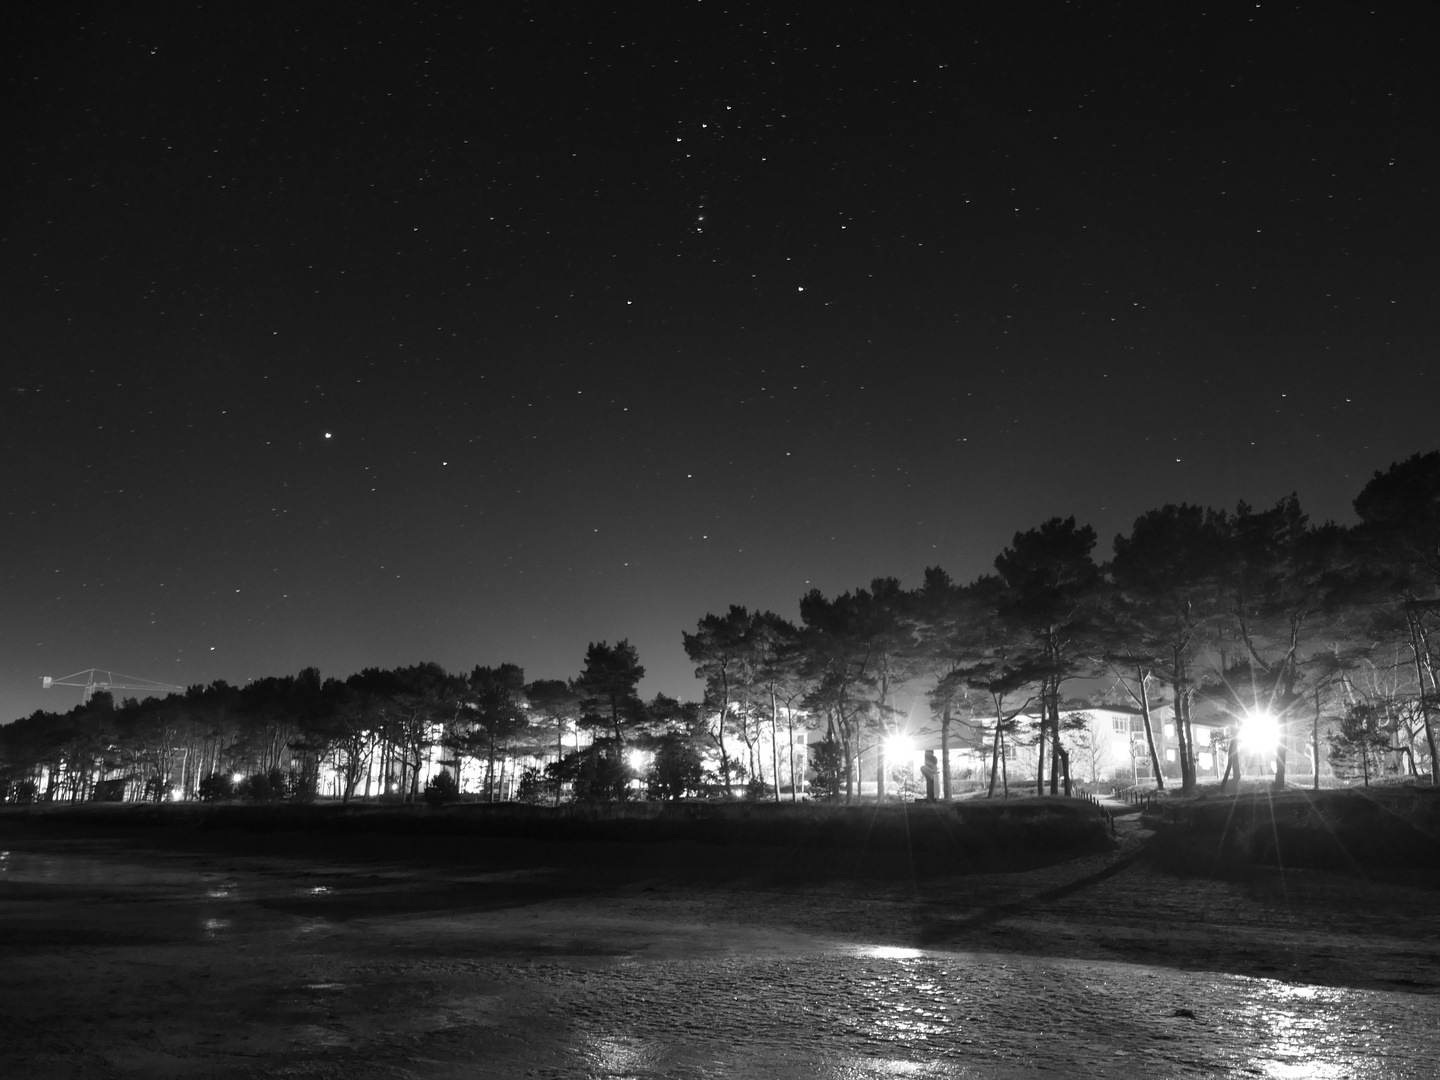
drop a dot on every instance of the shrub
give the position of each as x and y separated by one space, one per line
1359 743
441 788
677 770
827 761
534 787
594 774
215 787
256 788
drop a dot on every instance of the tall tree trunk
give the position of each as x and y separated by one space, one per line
720 731
1180 685
880 761
1420 646
489 772
724 760
1051 708
794 782
1187 768
1315 741
995 755
1004 770
775 744
945 753
1190 768
1149 729
1282 753
1040 753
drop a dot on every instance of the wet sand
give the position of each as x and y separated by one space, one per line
182 953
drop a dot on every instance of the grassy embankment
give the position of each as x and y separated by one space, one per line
971 836
1354 830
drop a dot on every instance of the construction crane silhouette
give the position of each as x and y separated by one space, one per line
92 679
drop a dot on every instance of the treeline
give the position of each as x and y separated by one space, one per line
374 733
1331 630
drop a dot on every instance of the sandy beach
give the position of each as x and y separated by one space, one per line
171 952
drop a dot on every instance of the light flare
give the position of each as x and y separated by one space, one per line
1259 731
899 748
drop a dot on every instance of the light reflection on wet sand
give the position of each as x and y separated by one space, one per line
865 1012
1314 1033
293 977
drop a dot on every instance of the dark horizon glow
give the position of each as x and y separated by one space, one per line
476 336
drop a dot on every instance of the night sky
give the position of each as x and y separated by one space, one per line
350 335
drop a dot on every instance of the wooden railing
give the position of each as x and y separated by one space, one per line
1094 801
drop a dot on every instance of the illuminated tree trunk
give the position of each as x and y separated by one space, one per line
1420 647
945 753
775 745
794 782
1282 742
1180 686
1059 757
997 761
1040 756
1150 736
846 747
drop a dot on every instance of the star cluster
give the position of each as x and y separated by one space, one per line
474 335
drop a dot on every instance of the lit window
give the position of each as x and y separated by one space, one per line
1121 723
1169 753
1169 731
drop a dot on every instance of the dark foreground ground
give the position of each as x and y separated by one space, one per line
172 949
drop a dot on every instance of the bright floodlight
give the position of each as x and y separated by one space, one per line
1259 731
236 777
899 748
